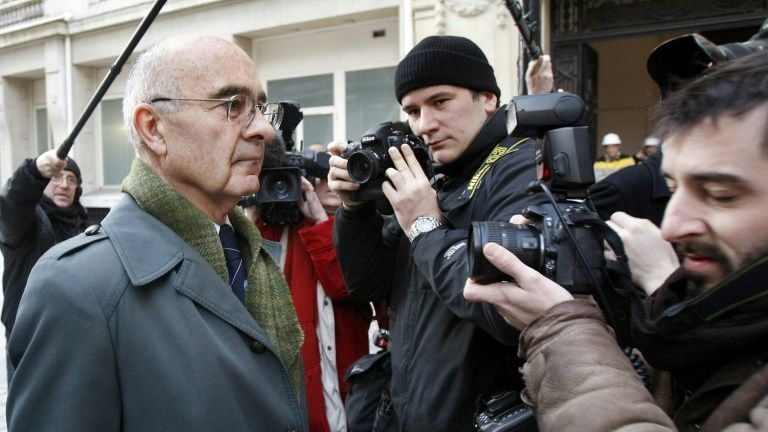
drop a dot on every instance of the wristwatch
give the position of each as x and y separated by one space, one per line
421 225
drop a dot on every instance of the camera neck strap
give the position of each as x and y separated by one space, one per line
507 146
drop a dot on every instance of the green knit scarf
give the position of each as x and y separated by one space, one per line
267 297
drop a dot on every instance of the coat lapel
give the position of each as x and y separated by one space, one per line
155 250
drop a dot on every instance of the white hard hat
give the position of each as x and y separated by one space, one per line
611 138
652 141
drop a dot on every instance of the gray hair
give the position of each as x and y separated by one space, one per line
147 80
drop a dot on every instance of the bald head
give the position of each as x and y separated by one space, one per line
178 67
194 111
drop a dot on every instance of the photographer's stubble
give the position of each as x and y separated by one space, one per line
718 173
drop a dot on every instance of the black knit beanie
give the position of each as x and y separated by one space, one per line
72 166
441 60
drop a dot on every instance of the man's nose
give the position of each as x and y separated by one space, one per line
683 218
260 129
427 122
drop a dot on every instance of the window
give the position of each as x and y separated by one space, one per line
117 153
368 95
314 94
43 133
370 100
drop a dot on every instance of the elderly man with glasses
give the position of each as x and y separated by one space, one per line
171 315
39 207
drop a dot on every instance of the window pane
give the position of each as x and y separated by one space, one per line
318 129
370 100
309 91
41 129
117 152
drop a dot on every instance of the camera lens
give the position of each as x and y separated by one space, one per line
522 240
280 186
366 165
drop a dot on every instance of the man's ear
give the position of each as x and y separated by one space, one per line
151 129
490 102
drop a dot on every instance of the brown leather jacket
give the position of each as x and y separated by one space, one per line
578 379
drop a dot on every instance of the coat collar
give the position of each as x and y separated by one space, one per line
152 250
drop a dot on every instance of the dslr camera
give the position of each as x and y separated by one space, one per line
367 160
505 411
559 240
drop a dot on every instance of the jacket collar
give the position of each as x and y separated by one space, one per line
267 297
153 250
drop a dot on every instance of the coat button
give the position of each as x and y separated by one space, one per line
93 229
257 347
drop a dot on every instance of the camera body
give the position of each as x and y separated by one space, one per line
283 184
545 243
685 57
280 187
368 159
504 411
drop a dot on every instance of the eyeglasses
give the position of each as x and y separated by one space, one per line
241 109
66 179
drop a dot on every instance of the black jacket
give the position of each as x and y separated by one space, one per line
30 224
446 351
638 190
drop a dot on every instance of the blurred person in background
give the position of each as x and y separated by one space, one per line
39 207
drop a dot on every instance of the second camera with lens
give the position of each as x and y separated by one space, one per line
544 245
283 184
560 239
368 159
280 187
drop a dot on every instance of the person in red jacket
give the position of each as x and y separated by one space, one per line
335 325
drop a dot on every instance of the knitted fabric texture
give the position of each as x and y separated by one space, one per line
445 60
267 297
72 166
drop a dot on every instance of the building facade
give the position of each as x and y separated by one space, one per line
336 58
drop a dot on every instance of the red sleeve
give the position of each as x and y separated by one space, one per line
318 241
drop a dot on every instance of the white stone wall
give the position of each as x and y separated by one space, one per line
60 58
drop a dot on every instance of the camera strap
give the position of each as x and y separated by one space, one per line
504 148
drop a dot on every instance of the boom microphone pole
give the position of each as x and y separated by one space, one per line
114 71
516 10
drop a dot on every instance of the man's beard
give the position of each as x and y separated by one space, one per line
697 283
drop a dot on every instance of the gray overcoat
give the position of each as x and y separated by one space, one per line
148 339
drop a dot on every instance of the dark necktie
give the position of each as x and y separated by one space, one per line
234 258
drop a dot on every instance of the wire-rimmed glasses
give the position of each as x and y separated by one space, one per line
64 178
240 109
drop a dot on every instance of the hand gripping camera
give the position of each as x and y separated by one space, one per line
367 160
560 240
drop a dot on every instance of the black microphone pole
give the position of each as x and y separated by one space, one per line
114 71
525 30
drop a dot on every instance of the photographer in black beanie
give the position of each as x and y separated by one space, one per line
447 354
39 207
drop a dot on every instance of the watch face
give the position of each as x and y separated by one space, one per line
421 225
424 224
